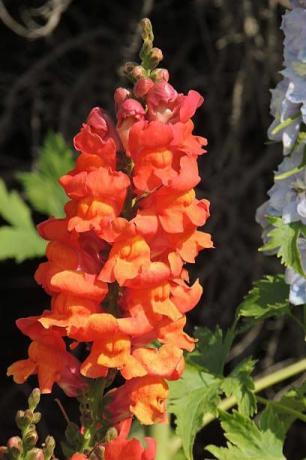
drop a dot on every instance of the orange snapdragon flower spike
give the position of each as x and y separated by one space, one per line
115 266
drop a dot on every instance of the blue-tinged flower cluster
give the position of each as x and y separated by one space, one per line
287 197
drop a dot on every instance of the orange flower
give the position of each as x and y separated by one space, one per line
144 397
49 359
129 449
173 211
127 258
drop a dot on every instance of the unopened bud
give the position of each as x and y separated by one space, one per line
35 454
15 442
3 452
34 399
36 418
111 434
21 422
155 57
121 94
30 439
98 453
160 75
142 86
146 29
49 447
138 72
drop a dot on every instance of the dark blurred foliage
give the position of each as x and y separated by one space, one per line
230 51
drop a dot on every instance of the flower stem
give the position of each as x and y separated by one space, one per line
282 407
261 384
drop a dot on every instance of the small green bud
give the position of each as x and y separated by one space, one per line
111 434
30 439
35 454
36 418
15 453
34 399
138 72
20 420
146 29
154 57
49 447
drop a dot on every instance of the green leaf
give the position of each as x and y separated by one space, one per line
20 243
283 238
278 416
246 440
20 240
268 297
41 185
13 209
241 385
212 349
195 394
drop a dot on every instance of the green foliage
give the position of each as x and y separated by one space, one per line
278 416
241 385
283 238
195 394
41 185
212 349
268 297
246 440
18 240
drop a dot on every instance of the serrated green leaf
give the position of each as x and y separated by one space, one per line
212 349
20 243
20 240
268 297
195 394
246 440
241 385
41 185
278 416
283 238
13 209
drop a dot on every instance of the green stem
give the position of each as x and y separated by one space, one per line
261 384
280 406
161 433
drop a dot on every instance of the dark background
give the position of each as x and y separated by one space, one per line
230 51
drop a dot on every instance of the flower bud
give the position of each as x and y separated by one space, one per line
15 442
35 454
111 434
160 74
49 447
120 95
155 57
30 439
146 29
138 72
3 452
98 453
34 399
142 86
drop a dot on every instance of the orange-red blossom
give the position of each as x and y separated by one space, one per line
115 263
